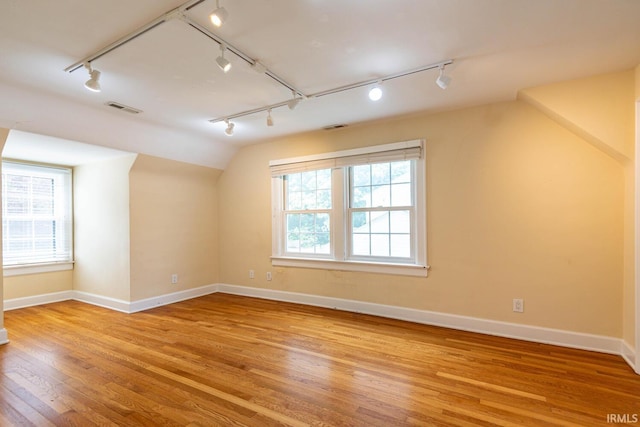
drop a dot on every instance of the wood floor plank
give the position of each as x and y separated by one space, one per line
225 360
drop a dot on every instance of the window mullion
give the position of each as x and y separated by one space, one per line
338 231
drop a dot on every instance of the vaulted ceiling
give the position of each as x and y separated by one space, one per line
312 46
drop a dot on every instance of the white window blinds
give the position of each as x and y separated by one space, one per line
36 214
407 150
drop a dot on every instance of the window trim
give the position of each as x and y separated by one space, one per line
339 161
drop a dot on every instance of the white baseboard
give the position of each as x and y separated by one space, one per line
15 303
559 337
108 302
166 299
102 301
4 338
628 354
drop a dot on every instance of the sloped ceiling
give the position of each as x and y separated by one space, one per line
169 72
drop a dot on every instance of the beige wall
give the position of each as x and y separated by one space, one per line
602 110
174 225
598 108
518 207
37 284
101 228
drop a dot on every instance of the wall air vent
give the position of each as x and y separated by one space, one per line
123 107
332 127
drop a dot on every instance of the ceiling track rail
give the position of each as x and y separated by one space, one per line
337 90
240 54
172 14
179 13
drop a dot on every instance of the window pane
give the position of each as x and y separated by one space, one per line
307 223
380 173
361 244
308 233
293 222
294 201
308 200
308 190
361 197
380 222
361 175
380 244
42 187
293 242
323 200
294 182
401 172
324 179
44 229
400 222
309 180
381 196
16 205
360 222
43 206
401 245
401 195
322 223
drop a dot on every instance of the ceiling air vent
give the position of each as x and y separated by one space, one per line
123 107
332 127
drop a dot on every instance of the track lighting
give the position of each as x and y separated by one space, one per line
258 67
269 119
293 103
375 93
219 15
229 130
374 85
93 84
223 63
442 80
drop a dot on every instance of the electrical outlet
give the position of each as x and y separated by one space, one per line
252 274
518 305
174 279
268 275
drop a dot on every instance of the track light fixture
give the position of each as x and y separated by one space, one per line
442 80
269 118
223 63
219 15
375 93
93 84
293 103
229 130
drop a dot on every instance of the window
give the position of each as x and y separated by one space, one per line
36 215
359 210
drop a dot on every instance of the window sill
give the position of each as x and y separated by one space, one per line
359 266
21 270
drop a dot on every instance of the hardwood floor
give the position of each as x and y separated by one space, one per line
234 361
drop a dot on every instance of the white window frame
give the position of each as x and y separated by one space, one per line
339 162
35 267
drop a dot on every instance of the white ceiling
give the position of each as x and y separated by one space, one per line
169 72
